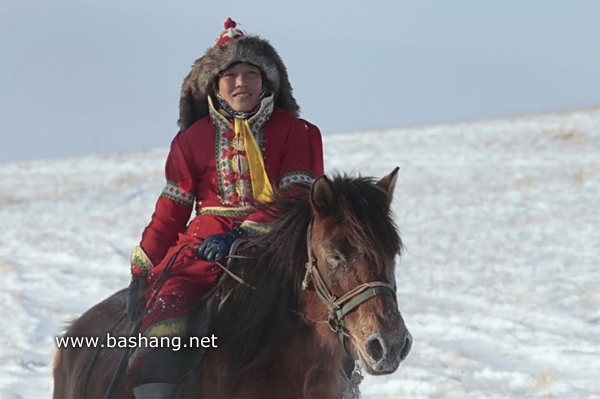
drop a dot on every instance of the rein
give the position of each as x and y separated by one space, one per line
339 307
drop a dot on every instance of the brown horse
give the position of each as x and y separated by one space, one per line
327 264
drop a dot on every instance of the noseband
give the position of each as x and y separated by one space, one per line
339 307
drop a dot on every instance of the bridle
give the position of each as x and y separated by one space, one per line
339 307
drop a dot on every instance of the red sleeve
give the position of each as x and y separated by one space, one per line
175 204
316 145
301 162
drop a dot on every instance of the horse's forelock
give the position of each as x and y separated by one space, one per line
366 216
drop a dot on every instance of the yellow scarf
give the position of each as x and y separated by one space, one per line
261 187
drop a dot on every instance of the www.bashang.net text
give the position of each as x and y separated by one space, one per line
175 343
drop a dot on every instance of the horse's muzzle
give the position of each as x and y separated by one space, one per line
383 356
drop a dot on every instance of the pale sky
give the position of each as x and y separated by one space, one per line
80 76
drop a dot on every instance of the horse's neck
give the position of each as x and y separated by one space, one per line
313 366
301 367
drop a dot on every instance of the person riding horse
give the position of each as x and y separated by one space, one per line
240 140
321 291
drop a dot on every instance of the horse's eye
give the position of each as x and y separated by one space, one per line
336 259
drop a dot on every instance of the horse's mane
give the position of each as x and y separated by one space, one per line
254 321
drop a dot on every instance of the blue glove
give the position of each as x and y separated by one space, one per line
215 247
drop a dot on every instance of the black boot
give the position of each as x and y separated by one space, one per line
161 370
154 390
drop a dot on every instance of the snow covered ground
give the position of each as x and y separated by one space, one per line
499 287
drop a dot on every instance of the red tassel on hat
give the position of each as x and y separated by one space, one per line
231 32
230 23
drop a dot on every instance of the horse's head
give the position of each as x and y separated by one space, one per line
352 246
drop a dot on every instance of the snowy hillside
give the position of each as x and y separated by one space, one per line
499 286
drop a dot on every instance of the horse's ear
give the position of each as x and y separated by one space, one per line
322 197
388 183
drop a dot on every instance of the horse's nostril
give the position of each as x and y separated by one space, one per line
375 349
407 346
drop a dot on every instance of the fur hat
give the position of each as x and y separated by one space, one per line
233 46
